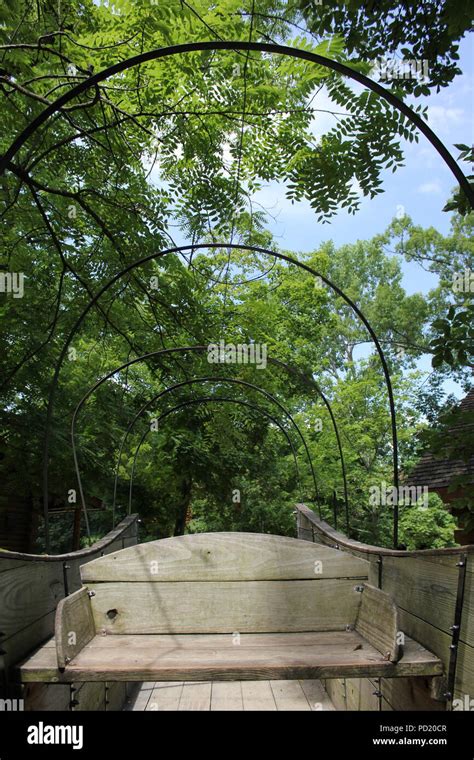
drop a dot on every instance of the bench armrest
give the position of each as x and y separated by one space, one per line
377 622
74 626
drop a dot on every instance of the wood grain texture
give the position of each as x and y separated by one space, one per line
187 658
29 593
90 697
377 621
165 697
226 695
258 696
317 696
115 696
289 696
74 626
336 690
224 607
46 696
410 694
224 557
361 694
428 590
195 696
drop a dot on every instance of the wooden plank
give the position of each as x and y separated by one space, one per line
10 564
126 527
465 670
289 696
410 694
225 607
74 626
90 697
224 557
115 696
438 642
226 695
317 696
428 590
195 696
21 643
377 622
373 578
336 689
165 697
258 696
360 694
328 535
140 658
29 593
46 696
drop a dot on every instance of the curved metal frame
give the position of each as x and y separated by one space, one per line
216 380
207 246
192 349
161 53
260 47
210 399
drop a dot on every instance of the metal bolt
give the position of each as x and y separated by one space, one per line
359 589
453 646
91 594
67 660
453 627
460 564
377 693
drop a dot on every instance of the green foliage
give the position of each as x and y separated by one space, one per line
178 148
423 31
427 527
455 342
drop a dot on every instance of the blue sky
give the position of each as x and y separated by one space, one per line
421 187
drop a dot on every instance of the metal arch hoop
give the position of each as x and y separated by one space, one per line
182 349
217 399
198 246
262 47
217 380
5 161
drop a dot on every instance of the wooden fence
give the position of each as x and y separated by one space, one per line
31 586
434 590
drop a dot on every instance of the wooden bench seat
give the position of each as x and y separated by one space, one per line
227 606
207 657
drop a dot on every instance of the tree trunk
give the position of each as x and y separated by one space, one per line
180 524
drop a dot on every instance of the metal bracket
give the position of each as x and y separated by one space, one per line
456 630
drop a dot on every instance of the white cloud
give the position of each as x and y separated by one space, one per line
441 118
431 188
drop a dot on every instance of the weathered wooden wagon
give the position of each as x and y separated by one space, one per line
248 607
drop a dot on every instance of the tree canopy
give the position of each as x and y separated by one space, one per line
171 151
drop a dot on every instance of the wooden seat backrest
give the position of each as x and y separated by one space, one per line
224 583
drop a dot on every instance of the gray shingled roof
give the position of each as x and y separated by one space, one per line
439 473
